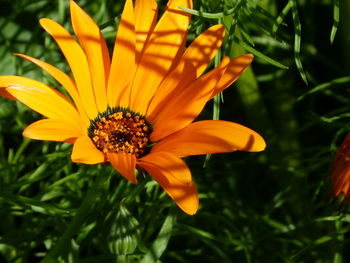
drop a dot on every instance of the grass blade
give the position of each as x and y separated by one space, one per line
211 15
297 40
281 17
335 20
159 245
258 53
324 86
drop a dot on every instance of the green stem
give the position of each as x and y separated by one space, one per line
248 89
122 259
65 241
216 100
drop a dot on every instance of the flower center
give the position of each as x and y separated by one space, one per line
120 130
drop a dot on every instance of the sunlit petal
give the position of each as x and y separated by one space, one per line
145 20
84 151
203 49
235 68
41 98
64 80
163 46
178 80
77 62
185 106
211 136
123 61
96 51
171 163
184 194
192 64
52 130
125 164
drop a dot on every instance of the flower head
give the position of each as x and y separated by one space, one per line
340 172
136 109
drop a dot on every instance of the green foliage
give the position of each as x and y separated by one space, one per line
275 206
123 236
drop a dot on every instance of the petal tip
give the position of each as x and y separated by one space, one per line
43 21
73 4
25 132
262 142
219 27
249 57
191 211
255 143
189 206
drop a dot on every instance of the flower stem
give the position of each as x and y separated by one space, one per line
65 241
122 259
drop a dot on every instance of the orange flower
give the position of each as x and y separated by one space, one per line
136 110
340 172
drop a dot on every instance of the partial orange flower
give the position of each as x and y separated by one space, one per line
136 109
340 172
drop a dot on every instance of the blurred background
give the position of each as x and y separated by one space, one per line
274 206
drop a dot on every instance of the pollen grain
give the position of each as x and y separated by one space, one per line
121 131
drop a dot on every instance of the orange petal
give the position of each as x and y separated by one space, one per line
180 78
77 62
203 49
191 66
41 98
64 80
171 163
96 51
340 172
123 60
163 47
235 68
84 151
145 19
184 194
125 164
211 136
184 107
52 130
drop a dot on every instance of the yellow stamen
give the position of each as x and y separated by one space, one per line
120 132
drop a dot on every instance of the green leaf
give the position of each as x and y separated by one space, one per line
297 40
38 206
335 20
64 242
211 15
124 232
324 86
159 245
258 53
280 18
